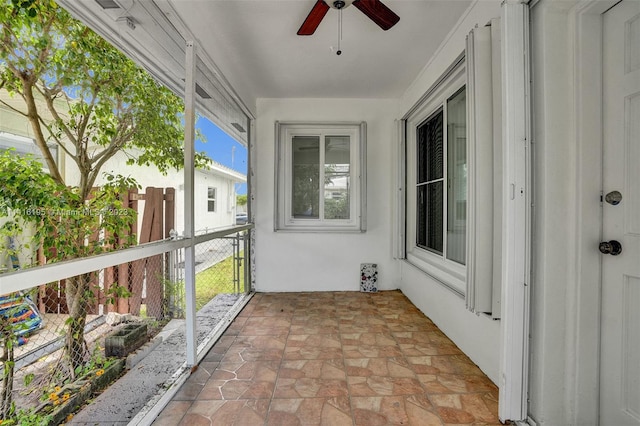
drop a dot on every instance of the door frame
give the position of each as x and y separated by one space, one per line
584 292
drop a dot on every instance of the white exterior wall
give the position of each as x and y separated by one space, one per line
478 336
147 176
303 261
225 214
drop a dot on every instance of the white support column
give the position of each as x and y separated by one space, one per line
516 208
189 231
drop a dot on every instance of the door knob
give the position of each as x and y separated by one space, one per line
612 247
613 198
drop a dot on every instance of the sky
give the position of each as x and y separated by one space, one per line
223 149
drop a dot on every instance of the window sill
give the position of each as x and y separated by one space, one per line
454 280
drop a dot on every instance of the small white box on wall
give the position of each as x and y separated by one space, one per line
369 277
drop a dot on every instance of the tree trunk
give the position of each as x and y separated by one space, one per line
78 293
8 363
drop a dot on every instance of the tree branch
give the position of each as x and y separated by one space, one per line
60 122
24 114
58 141
32 114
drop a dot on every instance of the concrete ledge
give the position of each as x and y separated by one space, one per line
135 357
155 405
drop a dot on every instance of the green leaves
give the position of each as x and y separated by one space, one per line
100 100
60 219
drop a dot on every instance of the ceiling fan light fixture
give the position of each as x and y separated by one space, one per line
338 4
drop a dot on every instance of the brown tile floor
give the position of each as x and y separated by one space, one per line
341 358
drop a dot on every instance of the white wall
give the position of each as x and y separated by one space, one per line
567 181
477 336
147 176
225 214
301 261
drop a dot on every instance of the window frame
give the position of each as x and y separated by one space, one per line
283 218
449 272
214 199
24 146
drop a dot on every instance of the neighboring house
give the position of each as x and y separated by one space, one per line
16 133
215 187
493 145
214 190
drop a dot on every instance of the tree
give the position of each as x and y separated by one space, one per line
109 105
241 200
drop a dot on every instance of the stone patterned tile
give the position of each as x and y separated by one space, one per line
314 320
313 329
317 308
382 367
249 307
260 342
353 321
310 388
354 315
196 381
236 389
275 308
384 386
370 327
241 380
228 413
368 351
466 408
172 413
309 352
314 369
243 353
332 359
368 339
416 344
335 411
444 364
432 364
314 340
258 326
252 370
313 346
394 410
463 365
455 383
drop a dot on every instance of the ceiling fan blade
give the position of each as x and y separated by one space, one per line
314 18
378 13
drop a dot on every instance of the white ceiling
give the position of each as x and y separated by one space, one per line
254 44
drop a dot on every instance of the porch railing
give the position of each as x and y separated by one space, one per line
152 276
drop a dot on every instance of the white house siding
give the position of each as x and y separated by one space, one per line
477 336
302 261
146 176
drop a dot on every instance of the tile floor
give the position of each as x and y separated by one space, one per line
339 358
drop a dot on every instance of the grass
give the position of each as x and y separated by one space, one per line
215 280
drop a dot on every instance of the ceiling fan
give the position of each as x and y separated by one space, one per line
374 9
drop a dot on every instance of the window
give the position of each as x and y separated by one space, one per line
440 225
436 168
320 177
25 146
211 199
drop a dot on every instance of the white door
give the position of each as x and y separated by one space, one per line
620 344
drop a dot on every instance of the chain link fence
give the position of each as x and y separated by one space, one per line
54 333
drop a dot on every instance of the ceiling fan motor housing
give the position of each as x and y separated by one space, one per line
375 10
